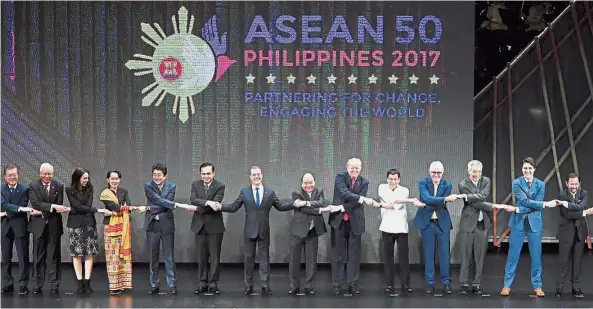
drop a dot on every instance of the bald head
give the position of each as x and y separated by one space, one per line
308 182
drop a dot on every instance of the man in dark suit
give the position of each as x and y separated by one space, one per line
47 196
572 233
526 218
15 198
305 228
475 223
348 225
160 227
258 201
434 222
208 226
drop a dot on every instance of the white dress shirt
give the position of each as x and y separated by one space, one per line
393 220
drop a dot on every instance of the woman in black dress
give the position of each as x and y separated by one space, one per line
82 228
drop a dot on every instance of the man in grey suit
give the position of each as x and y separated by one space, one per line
258 201
475 223
305 228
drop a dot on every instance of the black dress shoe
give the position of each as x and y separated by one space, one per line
8 288
309 291
115 292
214 290
353 289
293 291
173 291
153 291
248 290
55 290
448 289
430 289
406 288
577 293
389 289
37 290
464 290
201 290
336 290
477 290
23 290
558 292
265 291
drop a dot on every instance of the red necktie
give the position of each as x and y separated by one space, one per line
346 216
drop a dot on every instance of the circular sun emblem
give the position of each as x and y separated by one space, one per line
170 69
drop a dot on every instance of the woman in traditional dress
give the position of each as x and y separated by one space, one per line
118 234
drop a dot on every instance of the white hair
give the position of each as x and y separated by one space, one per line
354 161
474 164
436 165
46 166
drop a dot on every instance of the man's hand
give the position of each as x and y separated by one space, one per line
510 208
551 203
192 208
336 208
2 214
451 198
36 213
61 208
140 209
25 209
327 208
369 201
107 213
216 206
298 203
589 212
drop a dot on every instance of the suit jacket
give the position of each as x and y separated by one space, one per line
476 201
257 221
82 212
572 217
15 220
529 202
347 196
42 201
433 203
122 197
161 204
302 217
205 216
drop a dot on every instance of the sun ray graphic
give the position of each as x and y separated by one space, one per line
182 64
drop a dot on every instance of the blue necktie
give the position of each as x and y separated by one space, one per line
257 197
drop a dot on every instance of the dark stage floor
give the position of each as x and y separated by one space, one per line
371 290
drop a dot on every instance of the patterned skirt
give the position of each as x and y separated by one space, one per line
83 241
119 270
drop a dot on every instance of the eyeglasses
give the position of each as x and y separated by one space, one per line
436 173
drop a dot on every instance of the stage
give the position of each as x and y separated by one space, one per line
371 286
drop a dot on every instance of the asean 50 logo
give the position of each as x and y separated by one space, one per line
182 64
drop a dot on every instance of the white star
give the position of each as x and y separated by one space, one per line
393 79
352 79
290 79
271 79
372 79
311 79
331 79
413 79
433 79
250 78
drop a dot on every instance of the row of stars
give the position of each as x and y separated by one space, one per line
271 79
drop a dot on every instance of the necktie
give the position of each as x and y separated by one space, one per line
206 187
257 197
11 190
529 185
46 187
346 216
311 224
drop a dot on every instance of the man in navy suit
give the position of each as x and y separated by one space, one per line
434 222
15 198
160 227
526 218
258 201
347 225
